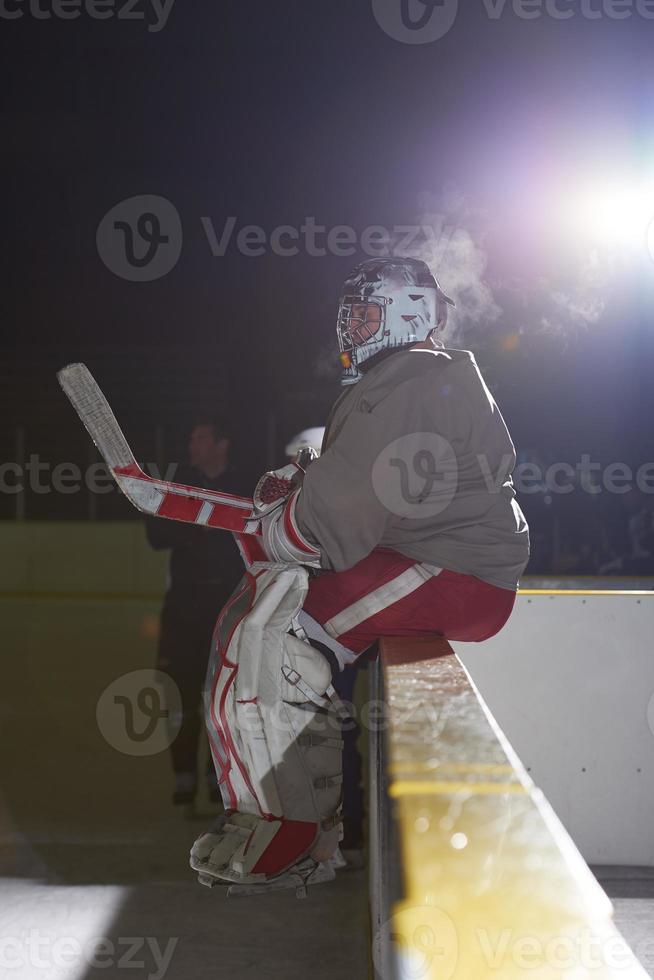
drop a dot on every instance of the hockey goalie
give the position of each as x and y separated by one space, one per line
406 524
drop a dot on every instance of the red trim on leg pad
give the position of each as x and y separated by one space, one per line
292 842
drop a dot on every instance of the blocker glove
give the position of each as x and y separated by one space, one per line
275 498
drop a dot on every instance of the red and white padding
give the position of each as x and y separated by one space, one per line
272 720
283 541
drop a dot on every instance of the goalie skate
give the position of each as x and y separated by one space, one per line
298 877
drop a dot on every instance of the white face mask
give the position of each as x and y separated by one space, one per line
387 304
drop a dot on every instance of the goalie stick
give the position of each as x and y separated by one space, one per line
161 498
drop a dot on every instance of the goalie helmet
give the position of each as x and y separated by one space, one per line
387 304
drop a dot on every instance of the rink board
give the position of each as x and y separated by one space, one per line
491 884
570 680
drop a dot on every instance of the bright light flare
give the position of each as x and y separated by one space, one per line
612 215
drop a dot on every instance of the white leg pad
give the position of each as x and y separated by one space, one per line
275 736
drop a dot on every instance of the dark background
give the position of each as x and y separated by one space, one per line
274 111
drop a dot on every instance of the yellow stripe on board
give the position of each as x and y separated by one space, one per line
155 596
444 787
638 592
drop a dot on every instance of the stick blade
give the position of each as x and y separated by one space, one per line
94 410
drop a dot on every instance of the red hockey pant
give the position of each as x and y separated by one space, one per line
387 594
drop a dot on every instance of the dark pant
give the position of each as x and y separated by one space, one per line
188 617
352 784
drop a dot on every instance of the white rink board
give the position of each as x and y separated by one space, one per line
570 679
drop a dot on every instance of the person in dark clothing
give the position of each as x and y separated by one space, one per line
205 567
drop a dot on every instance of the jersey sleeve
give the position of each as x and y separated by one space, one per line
338 508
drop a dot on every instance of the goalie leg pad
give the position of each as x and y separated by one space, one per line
275 733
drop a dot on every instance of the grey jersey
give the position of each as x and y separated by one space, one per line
426 418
